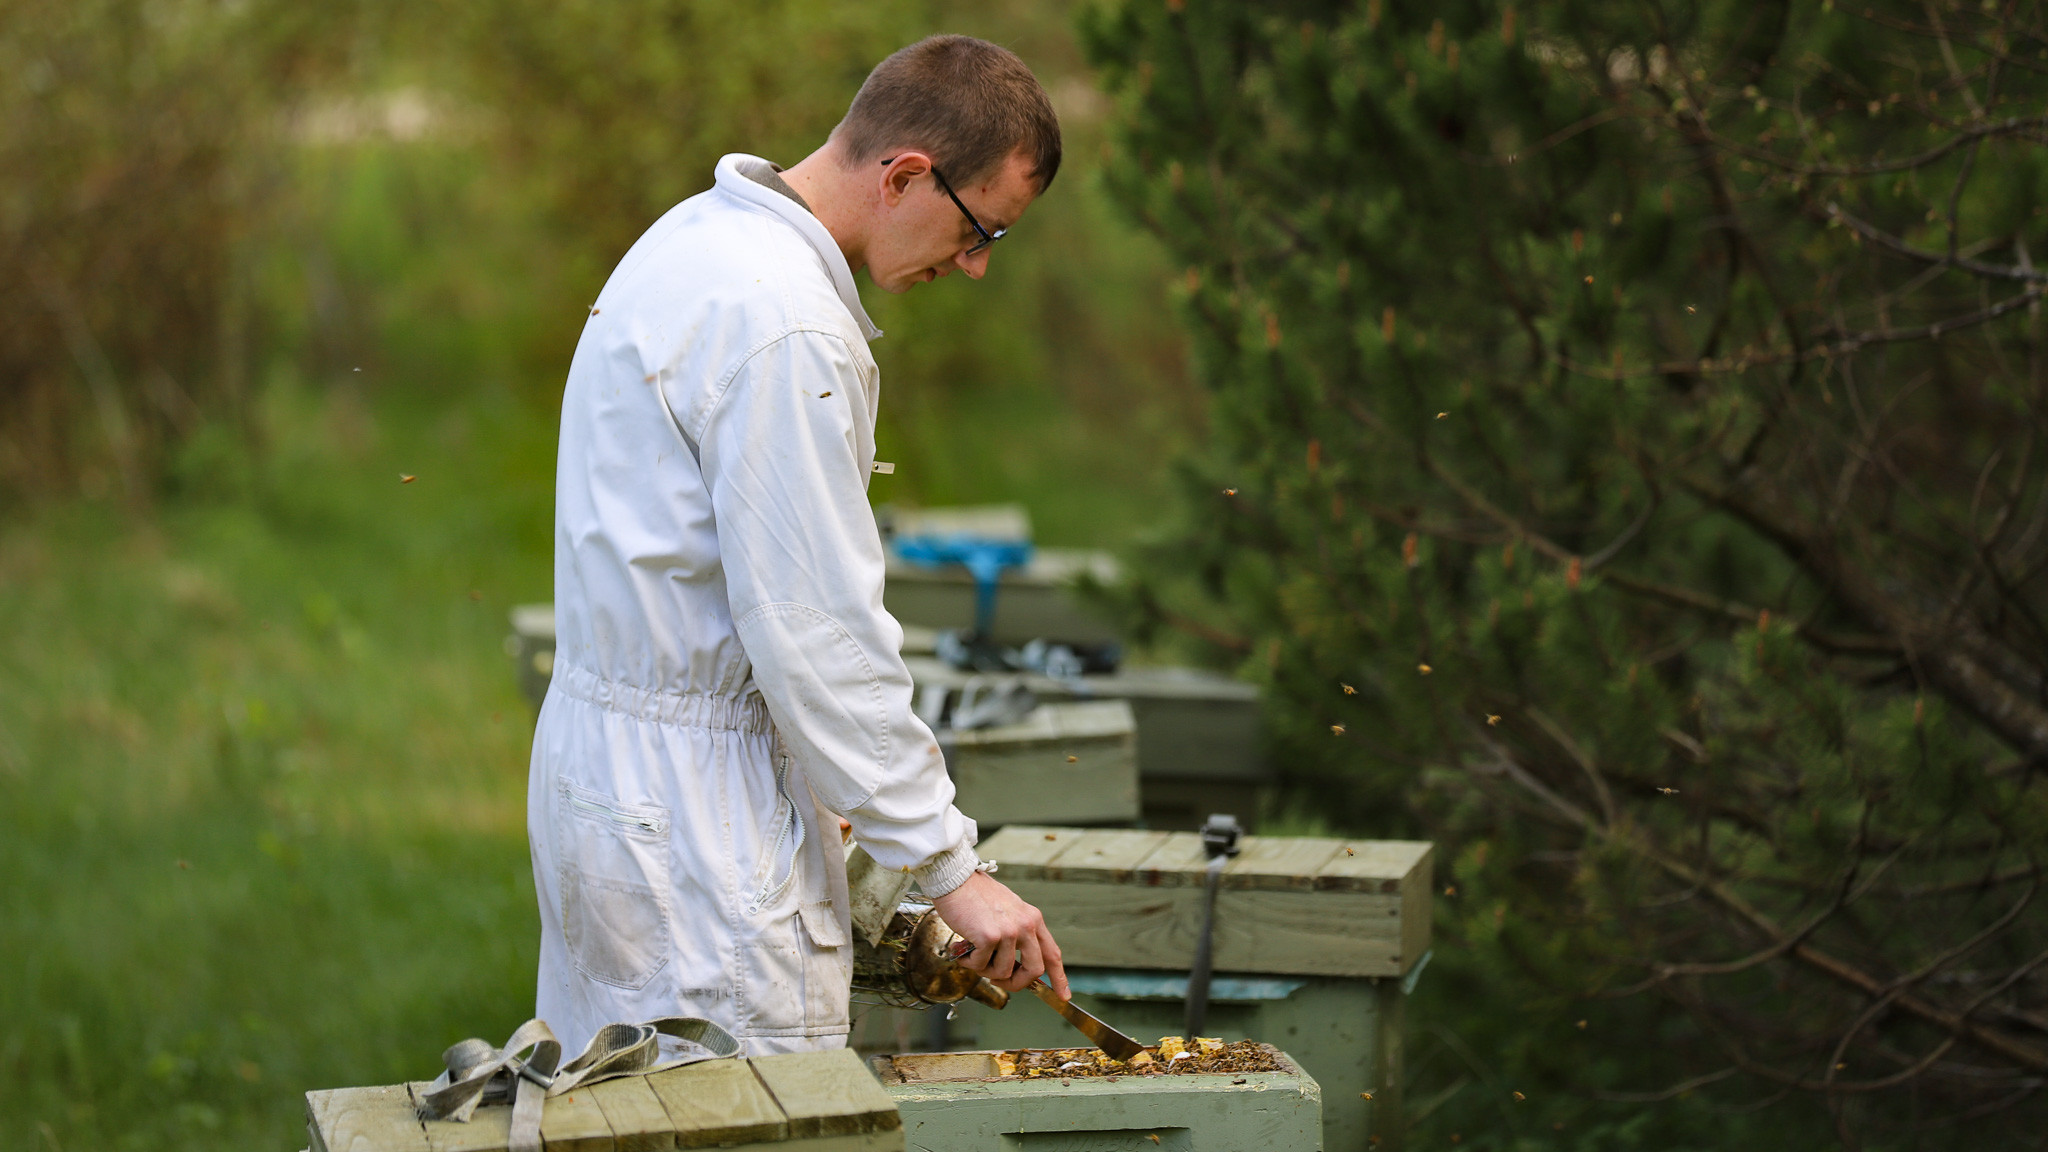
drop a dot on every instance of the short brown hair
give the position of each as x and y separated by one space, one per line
967 102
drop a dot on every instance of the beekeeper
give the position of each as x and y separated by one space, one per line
727 684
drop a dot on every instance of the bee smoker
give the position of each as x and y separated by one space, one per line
912 963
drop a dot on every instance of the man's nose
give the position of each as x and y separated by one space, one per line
974 264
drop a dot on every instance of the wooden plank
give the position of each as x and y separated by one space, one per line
364 1120
827 1094
1116 925
639 1122
1418 908
1178 862
1023 850
1279 863
1103 856
488 1129
572 1122
1284 933
1308 933
718 1102
1372 865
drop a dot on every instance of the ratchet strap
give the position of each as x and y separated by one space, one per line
529 1069
1219 842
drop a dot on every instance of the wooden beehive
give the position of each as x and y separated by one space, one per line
1073 763
1199 741
1316 942
815 1101
1034 601
1120 898
954 1102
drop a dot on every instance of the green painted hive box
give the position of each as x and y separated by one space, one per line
956 1102
1317 942
1074 763
810 1101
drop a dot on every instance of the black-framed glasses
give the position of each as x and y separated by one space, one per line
987 237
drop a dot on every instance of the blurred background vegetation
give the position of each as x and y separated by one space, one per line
261 755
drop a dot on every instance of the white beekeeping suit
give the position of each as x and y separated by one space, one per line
725 675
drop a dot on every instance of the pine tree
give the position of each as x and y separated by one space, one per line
1627 470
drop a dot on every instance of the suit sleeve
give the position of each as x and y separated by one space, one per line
804 569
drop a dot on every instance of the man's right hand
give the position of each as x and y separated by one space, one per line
1012 946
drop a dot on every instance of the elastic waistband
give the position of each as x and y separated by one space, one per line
683 709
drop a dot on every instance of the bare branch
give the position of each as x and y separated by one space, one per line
1687 597
1949 259
1671 1093
1954 661
2011 126
1855 342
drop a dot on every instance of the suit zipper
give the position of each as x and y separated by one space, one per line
612 814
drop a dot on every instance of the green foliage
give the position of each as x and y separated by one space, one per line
135 141
1623 473
435 193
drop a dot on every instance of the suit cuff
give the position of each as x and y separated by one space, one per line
946 871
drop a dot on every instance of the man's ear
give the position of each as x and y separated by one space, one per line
900 173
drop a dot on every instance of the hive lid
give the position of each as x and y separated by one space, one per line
1051 724
1176 859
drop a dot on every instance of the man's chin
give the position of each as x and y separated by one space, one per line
895 285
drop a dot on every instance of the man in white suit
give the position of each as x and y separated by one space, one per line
727 685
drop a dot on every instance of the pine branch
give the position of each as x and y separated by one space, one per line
1835 968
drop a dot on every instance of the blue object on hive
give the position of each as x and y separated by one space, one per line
985 559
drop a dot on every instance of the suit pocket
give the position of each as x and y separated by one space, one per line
614 886
821 923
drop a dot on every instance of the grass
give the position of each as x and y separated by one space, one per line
262 779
